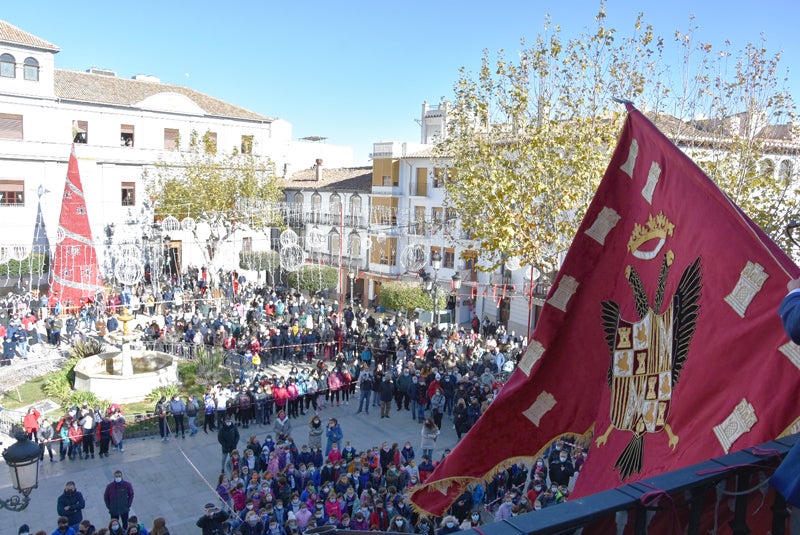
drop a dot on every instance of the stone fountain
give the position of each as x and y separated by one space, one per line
127 372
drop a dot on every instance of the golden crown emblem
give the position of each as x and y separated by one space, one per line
657 227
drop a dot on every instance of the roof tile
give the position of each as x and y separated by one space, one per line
111 90
13 35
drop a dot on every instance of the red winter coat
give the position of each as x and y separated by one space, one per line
31 421
281 395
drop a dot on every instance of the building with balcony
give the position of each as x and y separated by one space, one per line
120 128
328 209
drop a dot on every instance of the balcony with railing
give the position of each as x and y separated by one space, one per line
684 497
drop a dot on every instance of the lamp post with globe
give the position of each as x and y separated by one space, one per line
22 459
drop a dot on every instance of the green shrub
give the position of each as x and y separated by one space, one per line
208 365
34 263
78 398
167 391
57 385
85 348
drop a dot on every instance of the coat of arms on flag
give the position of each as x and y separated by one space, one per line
659 345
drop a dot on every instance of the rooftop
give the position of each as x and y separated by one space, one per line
111 90
12 35
343 178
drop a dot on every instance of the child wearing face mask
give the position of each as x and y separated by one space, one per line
449 525
473 520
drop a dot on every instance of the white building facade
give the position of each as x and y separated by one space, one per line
119 127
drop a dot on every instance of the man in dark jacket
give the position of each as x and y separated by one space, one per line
211 522
401 386
71 505
387 393
119 497
228 438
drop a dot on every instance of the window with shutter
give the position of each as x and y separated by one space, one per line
171 138
10 126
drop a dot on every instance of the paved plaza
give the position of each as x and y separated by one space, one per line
175 479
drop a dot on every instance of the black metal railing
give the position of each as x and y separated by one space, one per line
682 489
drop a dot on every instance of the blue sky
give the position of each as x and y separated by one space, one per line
353 71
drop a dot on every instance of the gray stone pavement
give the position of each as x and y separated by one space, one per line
175 479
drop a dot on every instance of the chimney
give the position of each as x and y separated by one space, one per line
318 168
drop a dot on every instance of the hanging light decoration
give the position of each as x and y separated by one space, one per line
413 257
170 224
512 263
188 223
315 239
128 250
19 252
129 270
288 238
292 257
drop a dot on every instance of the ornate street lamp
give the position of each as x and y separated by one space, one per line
456 286
352 276
436 262
22 459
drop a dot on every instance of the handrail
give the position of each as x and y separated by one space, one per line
631 498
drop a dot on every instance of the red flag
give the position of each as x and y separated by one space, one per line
75 273
659 343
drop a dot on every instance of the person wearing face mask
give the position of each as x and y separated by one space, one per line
561 470
71 504
379 516
212 520
473 520
400 525
449 525
504 511
228 438
118 498
556 450
114 527
252 525
315 431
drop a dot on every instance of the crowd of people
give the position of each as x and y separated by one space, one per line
304 473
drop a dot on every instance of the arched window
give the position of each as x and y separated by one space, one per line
316 207
333 242
296 211
785 173
8 66
767 168
354 244
30 69
355 209
335 208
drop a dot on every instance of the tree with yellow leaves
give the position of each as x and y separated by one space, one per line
528 141
205 185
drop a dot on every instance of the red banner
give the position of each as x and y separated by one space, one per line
659 345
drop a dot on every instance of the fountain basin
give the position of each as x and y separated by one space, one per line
103 374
